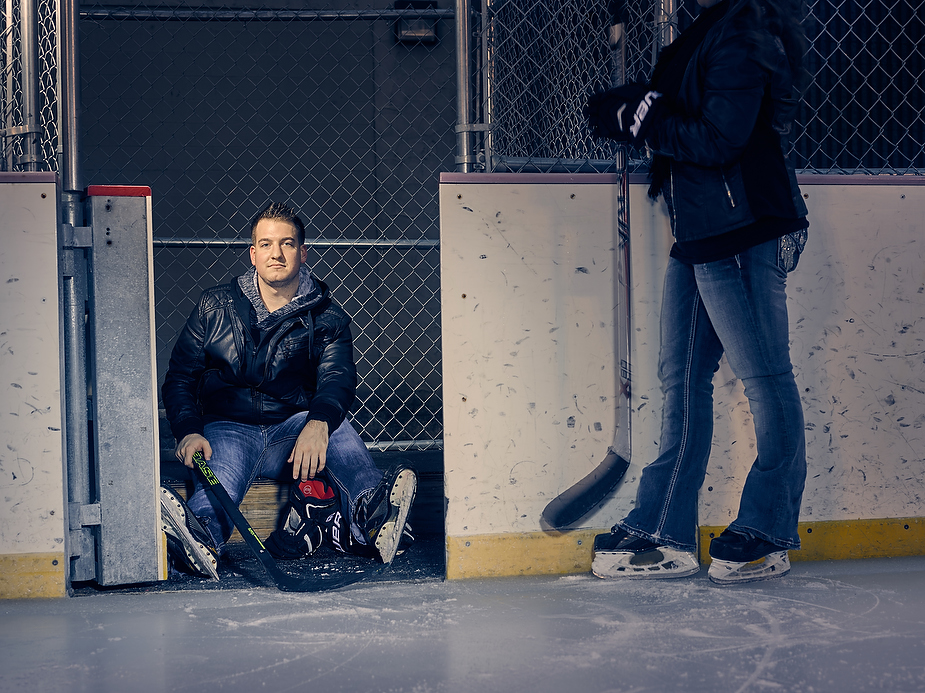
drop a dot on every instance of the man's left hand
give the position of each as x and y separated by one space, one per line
309 454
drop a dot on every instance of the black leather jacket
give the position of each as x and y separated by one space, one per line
723 137
218 371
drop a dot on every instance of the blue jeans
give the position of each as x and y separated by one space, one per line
242 452
736 306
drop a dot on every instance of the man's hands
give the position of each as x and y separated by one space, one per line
190 445
310 451
307 458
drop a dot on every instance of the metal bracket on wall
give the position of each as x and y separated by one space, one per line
83 515
474 127
82 519
76 236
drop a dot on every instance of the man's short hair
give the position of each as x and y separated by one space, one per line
278 212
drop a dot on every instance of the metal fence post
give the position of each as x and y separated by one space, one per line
83 514
29 160
80 515
463 88
69 86
666 23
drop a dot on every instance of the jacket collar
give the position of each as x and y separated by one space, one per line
310 293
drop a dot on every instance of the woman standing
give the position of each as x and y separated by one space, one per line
716 116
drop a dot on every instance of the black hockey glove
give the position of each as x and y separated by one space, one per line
624 113
302 530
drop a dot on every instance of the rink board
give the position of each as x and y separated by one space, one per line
510 246
33 555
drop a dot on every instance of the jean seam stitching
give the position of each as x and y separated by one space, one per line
663 518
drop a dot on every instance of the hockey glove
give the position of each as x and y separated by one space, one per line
310 505
624 113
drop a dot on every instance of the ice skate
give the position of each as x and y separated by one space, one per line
384 513
738 558
188 542
619 554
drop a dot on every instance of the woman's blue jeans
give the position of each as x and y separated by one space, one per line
736 306
242 452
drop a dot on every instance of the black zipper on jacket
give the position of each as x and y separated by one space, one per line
674 200
285 328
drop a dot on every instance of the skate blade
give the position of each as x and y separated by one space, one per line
774 565
662 563
401 496
197 554
173 520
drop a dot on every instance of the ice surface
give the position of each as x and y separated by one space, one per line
833 626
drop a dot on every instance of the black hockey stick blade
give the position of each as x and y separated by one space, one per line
284 582
580 499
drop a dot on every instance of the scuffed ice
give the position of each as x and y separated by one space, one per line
833 626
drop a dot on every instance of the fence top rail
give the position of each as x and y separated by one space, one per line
225 15
882 179
162 242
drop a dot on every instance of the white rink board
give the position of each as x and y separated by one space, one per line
32 518
857 310
856 301
527 280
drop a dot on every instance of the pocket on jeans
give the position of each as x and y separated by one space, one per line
789 247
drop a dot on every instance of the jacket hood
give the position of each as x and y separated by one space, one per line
310 293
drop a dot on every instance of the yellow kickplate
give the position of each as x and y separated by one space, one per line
32 575
839 540
528 553
562 553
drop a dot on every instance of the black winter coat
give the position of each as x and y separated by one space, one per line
218 371
723 138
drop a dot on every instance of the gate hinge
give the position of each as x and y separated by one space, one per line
76 236
84 515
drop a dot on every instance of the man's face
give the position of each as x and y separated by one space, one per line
277 254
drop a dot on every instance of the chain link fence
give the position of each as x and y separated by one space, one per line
863 112
865 109
221 111
28 86
349 114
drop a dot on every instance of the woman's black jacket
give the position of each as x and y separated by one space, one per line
723 137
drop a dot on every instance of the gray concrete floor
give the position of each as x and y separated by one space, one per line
828 626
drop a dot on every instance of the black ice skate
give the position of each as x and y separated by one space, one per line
311 502
188 543
383 514
620 554
738 558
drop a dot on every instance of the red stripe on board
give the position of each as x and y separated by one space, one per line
118 191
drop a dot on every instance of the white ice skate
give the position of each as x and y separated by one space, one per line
188 543
619 555
774 565
739 557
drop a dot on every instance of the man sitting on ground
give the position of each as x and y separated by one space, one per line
260 381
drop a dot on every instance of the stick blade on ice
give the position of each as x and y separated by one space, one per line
582 498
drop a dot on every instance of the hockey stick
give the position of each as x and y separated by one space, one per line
589 493
283 581
580 499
